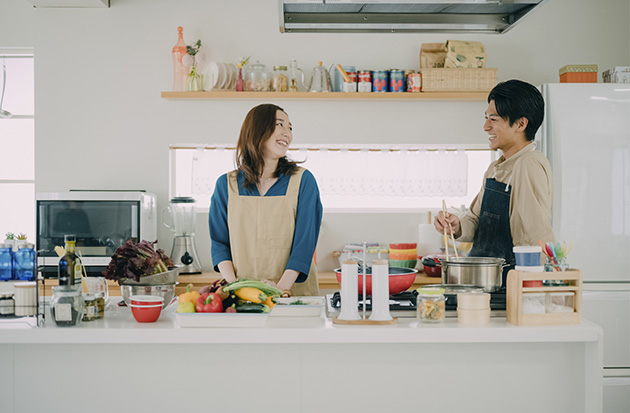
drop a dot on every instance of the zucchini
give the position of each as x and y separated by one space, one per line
249 307
244 282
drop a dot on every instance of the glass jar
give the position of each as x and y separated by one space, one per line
24 262
280 79
100 305
7 304
66 305
257 78
556 265
430 305
91 307
6 262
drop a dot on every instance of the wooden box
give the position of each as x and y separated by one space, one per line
458 80
578 74
516 293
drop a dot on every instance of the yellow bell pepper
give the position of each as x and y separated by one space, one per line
186 307
251 294
189 296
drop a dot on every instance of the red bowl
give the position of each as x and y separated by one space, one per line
146 313
146 300
403 246
400 279
433 271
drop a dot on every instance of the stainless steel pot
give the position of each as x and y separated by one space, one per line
484 272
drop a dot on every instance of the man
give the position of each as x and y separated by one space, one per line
514 204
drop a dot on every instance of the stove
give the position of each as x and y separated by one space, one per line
404 304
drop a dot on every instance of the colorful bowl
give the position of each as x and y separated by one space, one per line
403 263
146 313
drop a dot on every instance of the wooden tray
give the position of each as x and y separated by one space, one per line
516 291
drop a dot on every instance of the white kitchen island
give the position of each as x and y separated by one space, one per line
299 365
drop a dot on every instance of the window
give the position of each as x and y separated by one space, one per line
352 178
17 139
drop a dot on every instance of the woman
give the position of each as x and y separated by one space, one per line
265 215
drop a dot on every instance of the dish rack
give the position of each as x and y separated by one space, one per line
458 80
570 295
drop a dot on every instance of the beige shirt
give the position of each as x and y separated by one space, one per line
529 173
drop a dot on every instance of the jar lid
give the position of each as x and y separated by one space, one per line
26 245
6 246
89 297
6 295
430 291
25 284
279 68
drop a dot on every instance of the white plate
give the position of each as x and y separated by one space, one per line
284 308
215 76
221 319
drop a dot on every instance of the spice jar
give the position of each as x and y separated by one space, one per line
91 307
7 304
100 305
257 78
66 305
430 305
280 79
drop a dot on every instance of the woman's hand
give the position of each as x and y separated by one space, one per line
441 224
227 271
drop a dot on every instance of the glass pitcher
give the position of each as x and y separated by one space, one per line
320 81
296 77
182 211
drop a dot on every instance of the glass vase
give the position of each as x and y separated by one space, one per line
194 80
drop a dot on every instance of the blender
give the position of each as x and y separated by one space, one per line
184 253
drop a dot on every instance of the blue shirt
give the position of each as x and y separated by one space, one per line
308 220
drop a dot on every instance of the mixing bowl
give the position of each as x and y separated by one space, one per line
166 291
400 279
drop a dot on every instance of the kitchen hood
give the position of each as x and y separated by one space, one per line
403 16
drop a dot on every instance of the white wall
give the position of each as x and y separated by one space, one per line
101 124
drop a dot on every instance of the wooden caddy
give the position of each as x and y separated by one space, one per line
365 322
515 291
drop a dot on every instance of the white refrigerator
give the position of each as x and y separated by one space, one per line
586 137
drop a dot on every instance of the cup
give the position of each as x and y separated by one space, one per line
527 256
96 285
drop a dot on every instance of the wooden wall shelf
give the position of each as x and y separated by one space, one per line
403 96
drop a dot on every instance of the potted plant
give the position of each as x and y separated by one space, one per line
10 239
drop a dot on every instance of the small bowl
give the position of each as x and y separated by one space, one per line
403 263
146 300
167 291
146 313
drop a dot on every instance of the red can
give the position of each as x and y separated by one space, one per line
365 81
414 82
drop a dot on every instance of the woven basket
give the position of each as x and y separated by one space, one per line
458 80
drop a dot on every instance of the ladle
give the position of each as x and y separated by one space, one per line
3 113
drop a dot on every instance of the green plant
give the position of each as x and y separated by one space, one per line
10 235
22 236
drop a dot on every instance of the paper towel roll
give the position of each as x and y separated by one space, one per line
349 291
380 291
429 240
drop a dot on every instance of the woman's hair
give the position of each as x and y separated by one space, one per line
258 126
515 99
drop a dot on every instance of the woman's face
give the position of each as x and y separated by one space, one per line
277 145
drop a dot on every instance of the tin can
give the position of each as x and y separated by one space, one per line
352 85
365 81
396 80
414 82
380 80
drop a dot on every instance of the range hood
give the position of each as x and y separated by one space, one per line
403 16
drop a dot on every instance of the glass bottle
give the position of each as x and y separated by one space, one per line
431 305
180 71
240 84
70 264
294 71
279 81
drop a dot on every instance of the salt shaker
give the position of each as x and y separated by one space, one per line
380 291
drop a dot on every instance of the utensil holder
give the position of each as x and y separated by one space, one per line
516 291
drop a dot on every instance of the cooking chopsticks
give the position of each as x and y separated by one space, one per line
450 229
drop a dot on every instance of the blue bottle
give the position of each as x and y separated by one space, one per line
24 263
6 262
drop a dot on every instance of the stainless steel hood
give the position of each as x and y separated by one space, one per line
403 16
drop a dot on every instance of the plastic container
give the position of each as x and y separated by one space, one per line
25 298
431 305
527 256
531 283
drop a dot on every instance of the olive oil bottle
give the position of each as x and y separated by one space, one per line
70 264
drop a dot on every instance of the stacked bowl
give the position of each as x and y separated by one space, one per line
146 308
473 308
528 260
403 255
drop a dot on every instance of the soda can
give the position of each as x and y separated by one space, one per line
396 80
380 80
365 81
352 85
414 82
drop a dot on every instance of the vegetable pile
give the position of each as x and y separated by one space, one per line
240 296
135 260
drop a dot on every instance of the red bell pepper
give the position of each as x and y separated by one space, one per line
209 303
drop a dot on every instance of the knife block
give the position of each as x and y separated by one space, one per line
516 293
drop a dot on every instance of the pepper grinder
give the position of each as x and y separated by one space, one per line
349 291
380 291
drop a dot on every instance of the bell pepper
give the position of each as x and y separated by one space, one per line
186 307
209 303
189 296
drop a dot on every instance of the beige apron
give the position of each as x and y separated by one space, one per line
261 234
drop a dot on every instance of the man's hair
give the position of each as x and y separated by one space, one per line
515 99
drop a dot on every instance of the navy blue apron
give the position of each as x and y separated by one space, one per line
493 237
